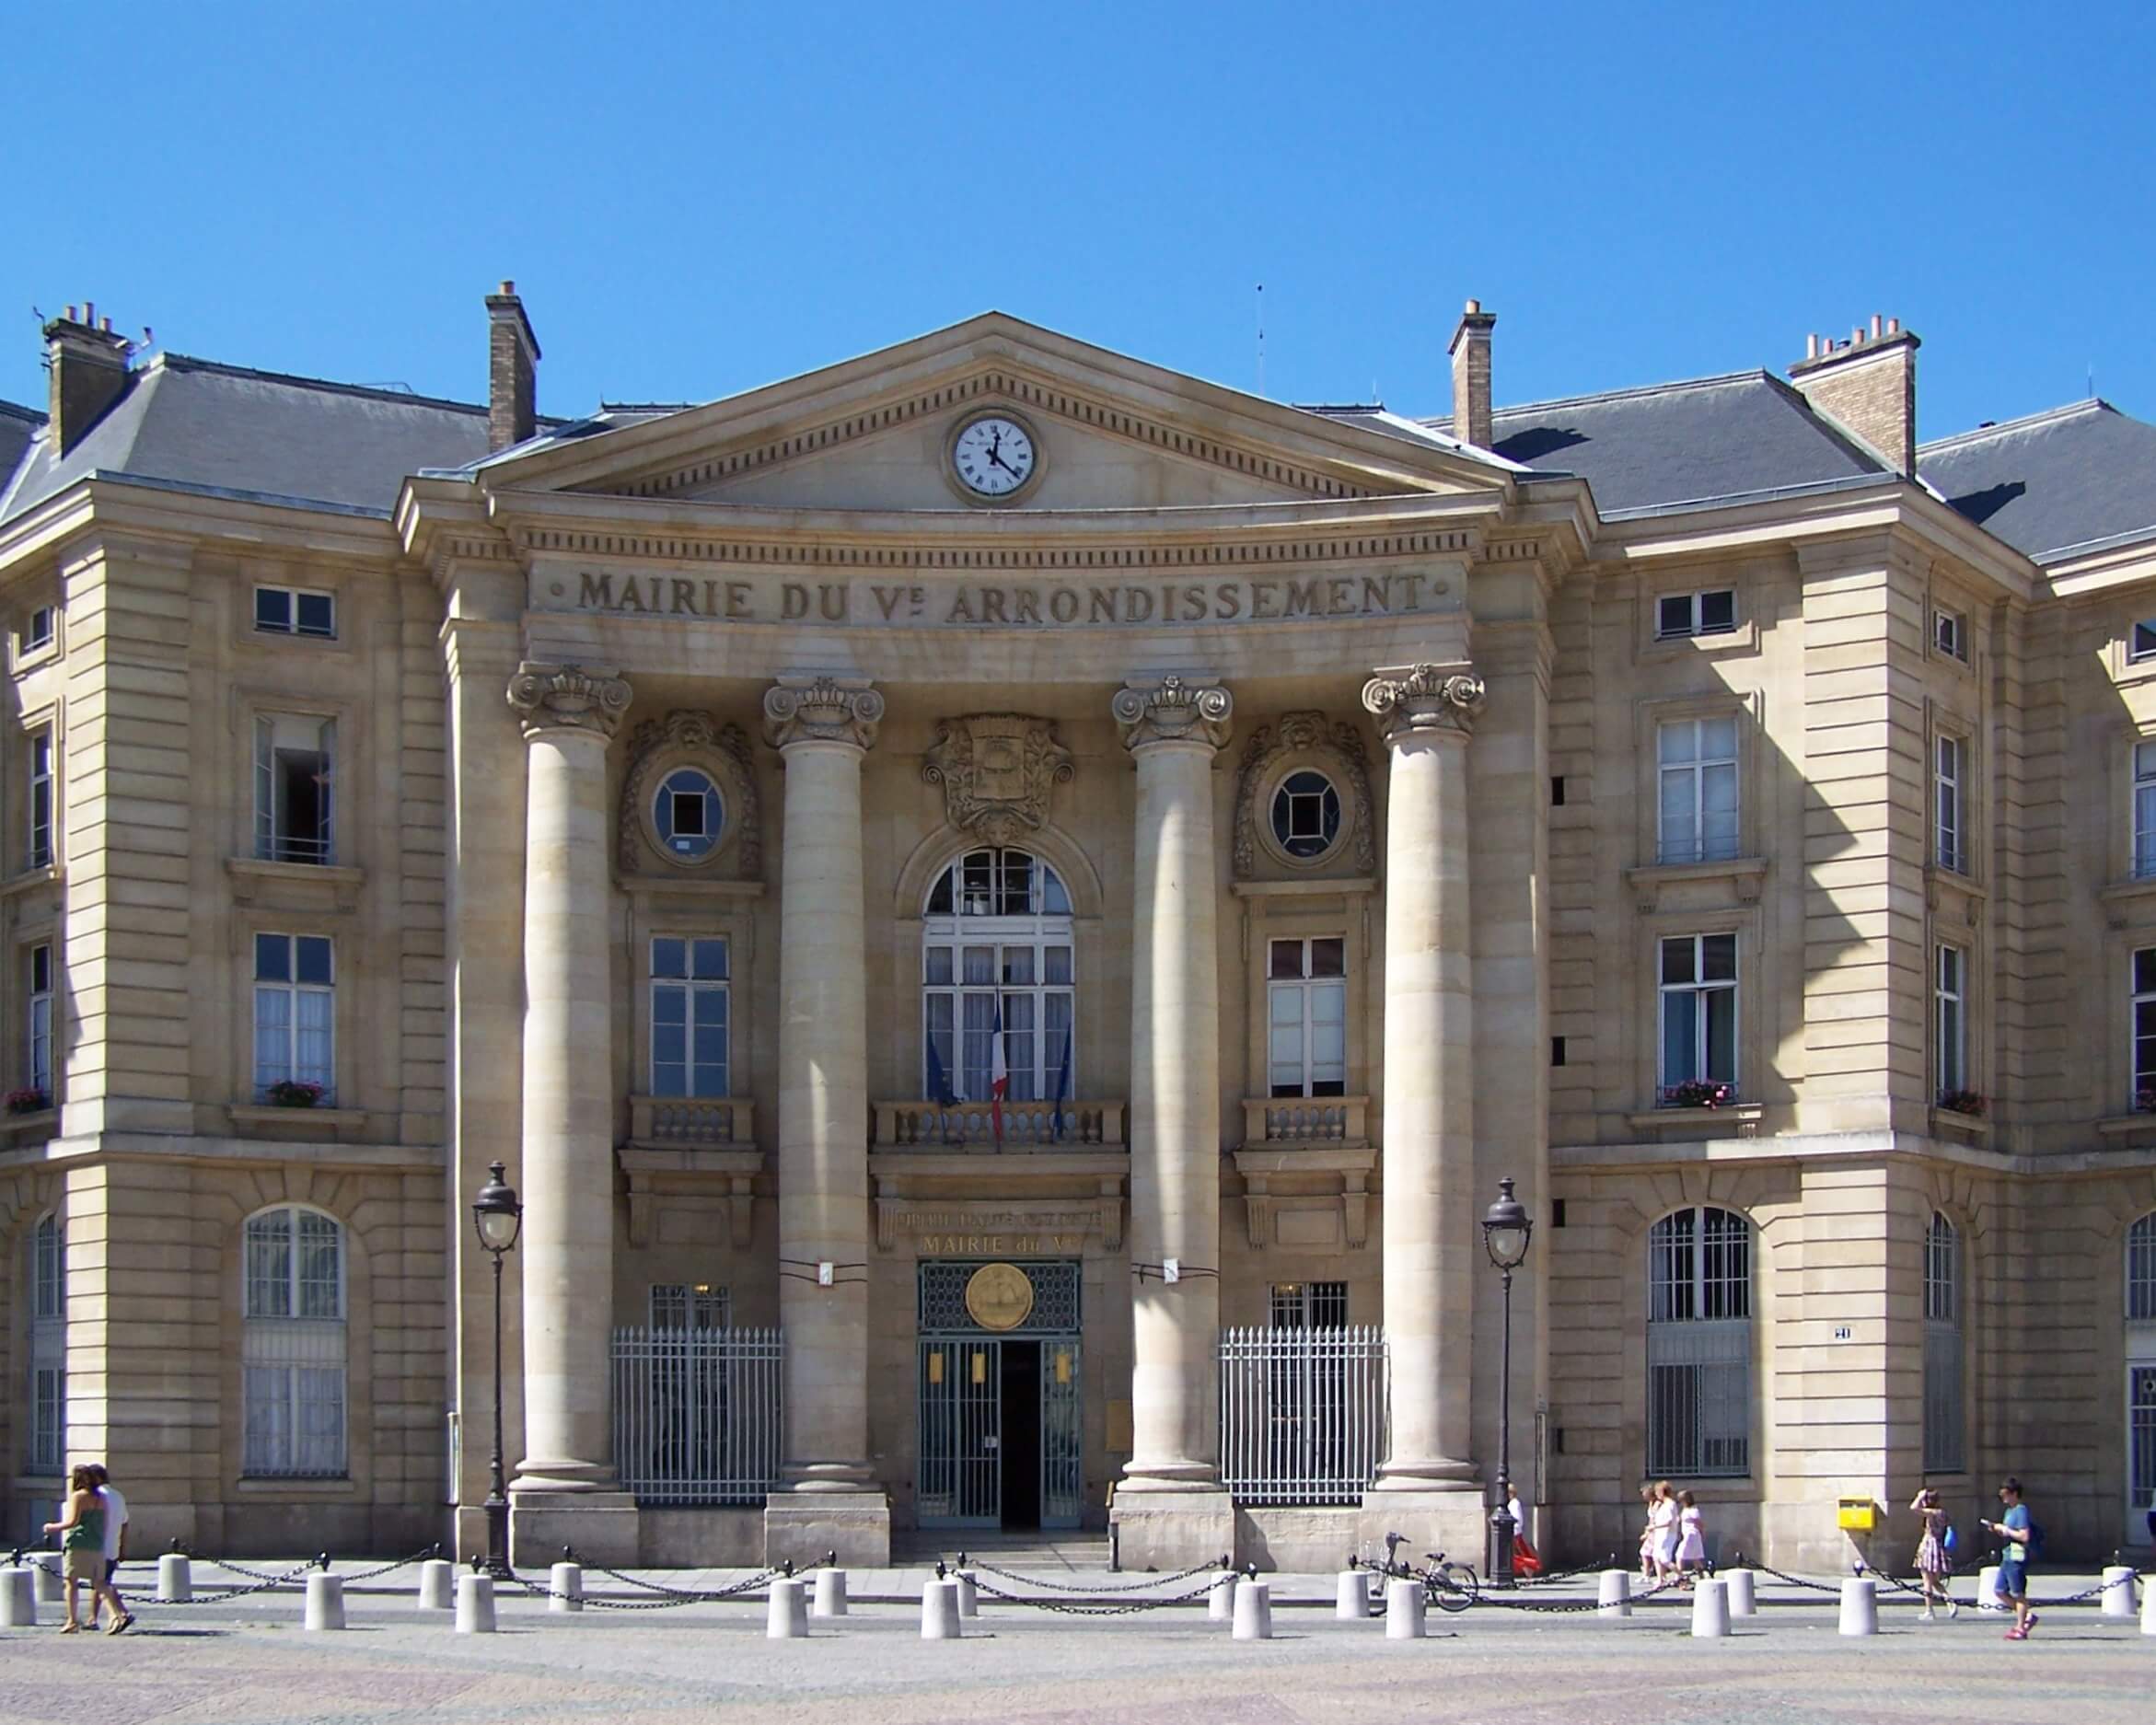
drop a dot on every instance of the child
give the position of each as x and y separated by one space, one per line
1692 1539
1932 1563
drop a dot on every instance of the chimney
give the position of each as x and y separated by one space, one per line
1470 351
1867 385
513 354
87 362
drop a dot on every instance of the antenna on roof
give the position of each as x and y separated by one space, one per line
1261 337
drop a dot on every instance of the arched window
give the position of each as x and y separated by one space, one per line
1699 1344
293 1349
2140 1371
48 1374
996 969
689 814
1942 1347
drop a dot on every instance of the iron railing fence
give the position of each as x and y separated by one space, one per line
1304 1413
697 1414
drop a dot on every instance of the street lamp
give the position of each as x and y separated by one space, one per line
1506 1228
497 1215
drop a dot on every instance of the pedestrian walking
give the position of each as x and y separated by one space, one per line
2017 1536
1932 1563
1691 1555
1527 1560
1662 1521
82 1543
1647 1534
115 1547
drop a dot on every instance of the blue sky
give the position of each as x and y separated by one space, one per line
698 199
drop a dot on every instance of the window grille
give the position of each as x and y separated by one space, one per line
1303 1414
292 1347
1308 1006
47 1446
1698 1010
997 963
686 1305
1942 1348
1698 798
942 1295
1309 1306
295 768
1949 1027
1699 1344
1950 843
690 1009
697 1413
2141 1398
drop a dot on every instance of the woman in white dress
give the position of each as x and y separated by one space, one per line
1691 1538
1662 1521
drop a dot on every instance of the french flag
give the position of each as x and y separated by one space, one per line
999 1073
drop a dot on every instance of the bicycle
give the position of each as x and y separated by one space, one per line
1449 1586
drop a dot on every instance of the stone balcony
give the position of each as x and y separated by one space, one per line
971 1126
690 1154
1284 1120
1306 1163
691 1122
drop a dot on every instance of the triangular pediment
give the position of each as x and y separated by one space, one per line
875 432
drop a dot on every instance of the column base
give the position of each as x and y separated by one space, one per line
601 1526
1172 1527
802 1526
1427 1517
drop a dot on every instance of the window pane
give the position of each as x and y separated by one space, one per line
1054 900
1285 959
314 958
2144 640
1680 744
320 1278
670 958
272 958
272 1035
272 608
318 614
1329 1034
1057 966
1328 957
937 967
1718 610
1680 838
1676 959
1680 1037
312 1062
1717 796
711 960
1718 739
980 966
1722 1035
2145 970
1017 966
269 1265
939 898
1718 957
1673 615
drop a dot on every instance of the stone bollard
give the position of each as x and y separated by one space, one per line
1741 1601
1352 1603
565 1587
1613 1599
1220 1601
968 1593
2148 1606
175 1578
1989 1597
939 1611
830 1594
46 1577
438 1585
1860 1605
1253 1610
1407 1609
475 1605
1710 1609
786 1619
18 1598
2118 1590
325 1601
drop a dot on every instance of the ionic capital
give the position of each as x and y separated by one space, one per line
821 710
1172 710
1416 699
568 698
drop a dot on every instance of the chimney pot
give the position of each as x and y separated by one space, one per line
1894 326
89 311
1473 306
1812 346
71 314
1868 385
512 353
508 288
1877 328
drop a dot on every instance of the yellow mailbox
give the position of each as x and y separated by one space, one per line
1857 1516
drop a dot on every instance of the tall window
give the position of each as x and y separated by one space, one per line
689 1026
292 1360
1699 793
40 800
294 1013
1308 1017
996 958
38 1019
1942 1347
292 802
2140 1384
2144 810
47 1373
2144 1045
1699 1018
1950 805
2141 1270
1699 1344
1948 1029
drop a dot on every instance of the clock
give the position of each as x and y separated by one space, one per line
993 457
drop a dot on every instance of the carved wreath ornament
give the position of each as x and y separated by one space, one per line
689 739
996 770
1312 736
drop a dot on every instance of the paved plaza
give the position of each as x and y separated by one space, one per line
247 1662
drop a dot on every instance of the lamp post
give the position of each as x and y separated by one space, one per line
1506 1228
498 1216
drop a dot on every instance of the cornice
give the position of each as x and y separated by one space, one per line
181 517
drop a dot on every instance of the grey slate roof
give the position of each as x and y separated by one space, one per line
193 422
19 427
1681 442
2069 477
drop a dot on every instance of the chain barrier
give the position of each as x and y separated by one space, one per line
671 1596
1738 1560
966 1562
1560 1607
1074 1608
1899 1585
1609 1562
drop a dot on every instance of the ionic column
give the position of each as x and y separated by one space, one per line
1173 729
570 714
823 727
1424 712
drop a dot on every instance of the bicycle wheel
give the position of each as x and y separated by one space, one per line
1453 1587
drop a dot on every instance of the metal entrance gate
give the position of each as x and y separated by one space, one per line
964 1374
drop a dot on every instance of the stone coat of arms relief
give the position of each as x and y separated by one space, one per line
997 770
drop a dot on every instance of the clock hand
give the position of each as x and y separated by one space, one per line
998 461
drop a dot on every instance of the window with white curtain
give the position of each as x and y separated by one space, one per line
2144 810
1698 1013
38 1018
690 1003
1950 842
1942 1347
1307 1012
1699 1344
39 849
294 1013
1697 795
997 957
291 1359
47 1388
1949 1025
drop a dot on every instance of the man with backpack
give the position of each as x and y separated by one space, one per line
2018 1537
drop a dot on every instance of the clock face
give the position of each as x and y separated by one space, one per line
992 456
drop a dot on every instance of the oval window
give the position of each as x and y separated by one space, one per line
689 814
1306 815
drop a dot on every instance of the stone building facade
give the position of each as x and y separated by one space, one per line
1006 909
